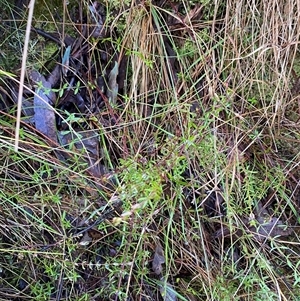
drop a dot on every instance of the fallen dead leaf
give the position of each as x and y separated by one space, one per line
158 260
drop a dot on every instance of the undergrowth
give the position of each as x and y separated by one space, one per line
165 193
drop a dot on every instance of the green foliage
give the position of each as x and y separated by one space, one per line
141 182
41 291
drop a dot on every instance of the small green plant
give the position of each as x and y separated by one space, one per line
141 182
41 291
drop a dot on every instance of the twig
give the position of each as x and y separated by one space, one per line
24 58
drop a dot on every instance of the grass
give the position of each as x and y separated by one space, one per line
199 152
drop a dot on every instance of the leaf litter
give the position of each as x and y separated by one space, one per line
158 260
44 113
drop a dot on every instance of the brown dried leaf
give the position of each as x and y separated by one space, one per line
261 228
112 91
270 228
167 291
89 141
193 14
85 240
44 114
158 260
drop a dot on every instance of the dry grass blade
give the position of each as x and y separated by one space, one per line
23 71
